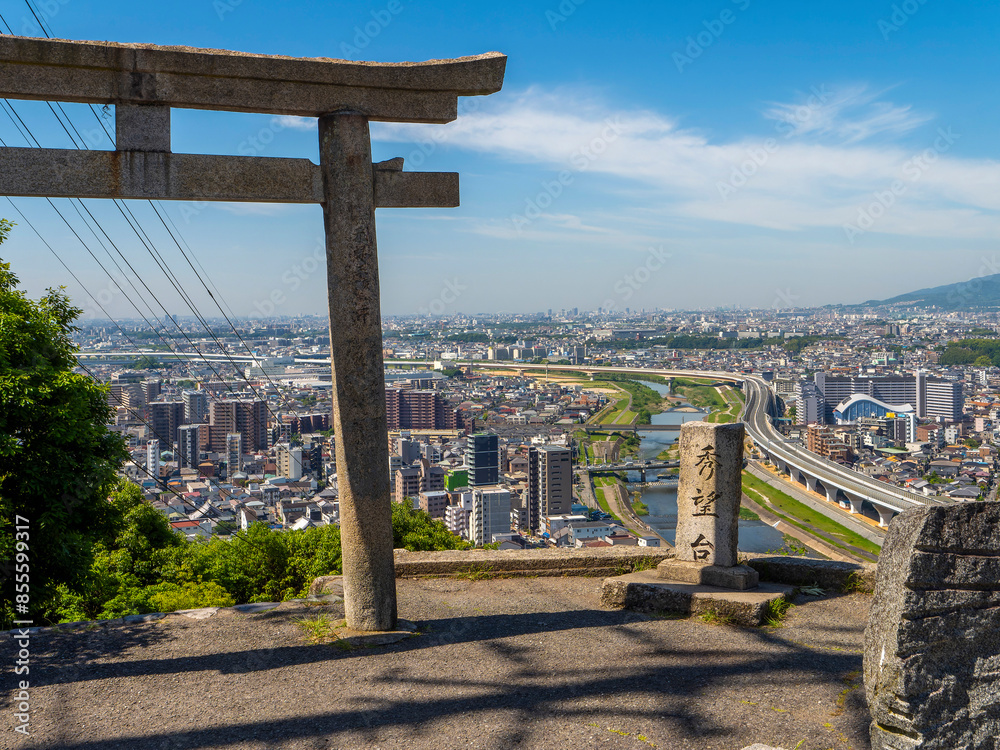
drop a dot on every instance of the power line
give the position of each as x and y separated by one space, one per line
151 248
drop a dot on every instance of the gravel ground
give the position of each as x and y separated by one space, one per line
530 663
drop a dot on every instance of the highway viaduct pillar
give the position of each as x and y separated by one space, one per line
811 482
855 503
885 515
831 495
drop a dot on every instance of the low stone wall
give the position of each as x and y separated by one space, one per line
610 561
599 561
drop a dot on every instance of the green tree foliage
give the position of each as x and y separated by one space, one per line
145 362
57 457
980 352
645 401
416 531
144 566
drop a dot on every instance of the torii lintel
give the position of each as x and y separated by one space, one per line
145 81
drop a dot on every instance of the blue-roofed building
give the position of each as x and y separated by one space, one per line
860 406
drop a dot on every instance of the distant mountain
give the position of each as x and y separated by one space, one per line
983 291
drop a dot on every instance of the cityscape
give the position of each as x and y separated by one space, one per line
479 407
551 373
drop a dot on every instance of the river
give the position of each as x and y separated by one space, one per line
755 536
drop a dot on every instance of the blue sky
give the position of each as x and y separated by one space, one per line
672 155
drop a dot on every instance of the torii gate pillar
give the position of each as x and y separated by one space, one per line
144 82
356 355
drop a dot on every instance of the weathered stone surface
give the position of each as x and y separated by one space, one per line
708 498
359 418
326 585
932 646
255 607
198 614
647 592
108 72
831 575
738 577
63 173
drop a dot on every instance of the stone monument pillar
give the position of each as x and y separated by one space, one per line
708 508
932 647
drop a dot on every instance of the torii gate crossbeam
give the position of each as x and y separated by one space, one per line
144 82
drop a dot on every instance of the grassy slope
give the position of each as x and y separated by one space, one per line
801 515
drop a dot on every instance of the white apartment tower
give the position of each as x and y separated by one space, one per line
153 458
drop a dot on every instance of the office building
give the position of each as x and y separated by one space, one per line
482 459
490 514
933 398
550 483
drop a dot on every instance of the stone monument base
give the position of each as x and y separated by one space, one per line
647 592
738 577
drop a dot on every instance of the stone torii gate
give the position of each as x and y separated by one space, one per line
144 81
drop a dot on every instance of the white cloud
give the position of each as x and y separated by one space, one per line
293 122
847 114
814 169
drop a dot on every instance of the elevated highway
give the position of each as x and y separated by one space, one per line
849 489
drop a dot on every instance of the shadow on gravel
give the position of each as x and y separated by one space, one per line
71 655
654 667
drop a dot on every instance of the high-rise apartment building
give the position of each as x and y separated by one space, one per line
195 406
422 477
189 445
490 514
290 461
234 453
153 458
482 457
165 417
419 410
550 483
245 416
151 389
